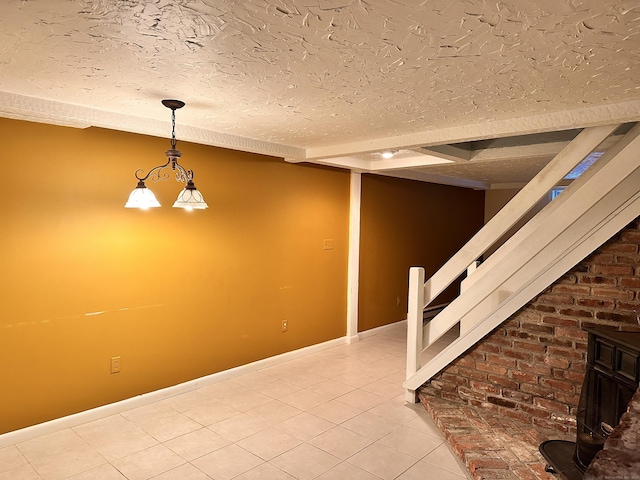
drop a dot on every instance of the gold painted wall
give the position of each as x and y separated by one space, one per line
405 223
176 294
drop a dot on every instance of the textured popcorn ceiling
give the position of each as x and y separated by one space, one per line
310 79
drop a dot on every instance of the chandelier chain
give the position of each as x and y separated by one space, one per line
173 128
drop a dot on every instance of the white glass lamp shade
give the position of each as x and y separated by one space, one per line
190 198
141 197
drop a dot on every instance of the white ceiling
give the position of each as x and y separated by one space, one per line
332 81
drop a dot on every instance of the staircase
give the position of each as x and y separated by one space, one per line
603 200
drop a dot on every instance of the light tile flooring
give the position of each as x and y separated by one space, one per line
338 414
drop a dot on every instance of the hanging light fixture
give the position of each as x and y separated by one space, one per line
189 198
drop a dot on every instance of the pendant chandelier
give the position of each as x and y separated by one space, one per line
189 198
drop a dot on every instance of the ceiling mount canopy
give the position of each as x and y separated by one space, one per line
189 198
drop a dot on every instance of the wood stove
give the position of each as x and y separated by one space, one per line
611 379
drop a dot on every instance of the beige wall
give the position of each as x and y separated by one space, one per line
407 223
176 294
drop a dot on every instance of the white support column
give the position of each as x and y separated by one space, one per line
414 327
353 265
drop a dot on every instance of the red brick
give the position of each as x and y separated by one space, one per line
487 367
464 362
501 402
537 327
602 258
455 379
522 335
612 293
572 376
551 405
631 307
537 368
484 387
595 302
555 299
558 385
550 425
568 399
576 312
467 393
567 278
596 280
556 362
545 308
536 347
628 259
473 374
631 236
522 377
633 282
564 353
492 463
501 360
507 352
516 414
488 347
501 341
503 381
617 270
528 315
517 395
619 248
535 411
572 289
443 386
475 355
617 317
496 334
511 323
557 342
567 322
574 333
525 473
454 397
581 346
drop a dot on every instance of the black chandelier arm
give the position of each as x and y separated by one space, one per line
183 175
155 171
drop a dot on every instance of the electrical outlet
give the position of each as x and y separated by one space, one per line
327 244
115 364
285 325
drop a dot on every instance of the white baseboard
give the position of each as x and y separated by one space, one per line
383 328
52 426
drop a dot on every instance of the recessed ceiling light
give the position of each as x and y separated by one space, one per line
387 154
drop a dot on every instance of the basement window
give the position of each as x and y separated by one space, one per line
583 165
576 172
556 191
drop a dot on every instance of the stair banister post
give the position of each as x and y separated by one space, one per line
470 269
414 326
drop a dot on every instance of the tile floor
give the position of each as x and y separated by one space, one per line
338 414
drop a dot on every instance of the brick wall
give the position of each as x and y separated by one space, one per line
531 367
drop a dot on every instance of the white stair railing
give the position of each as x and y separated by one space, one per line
606 198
